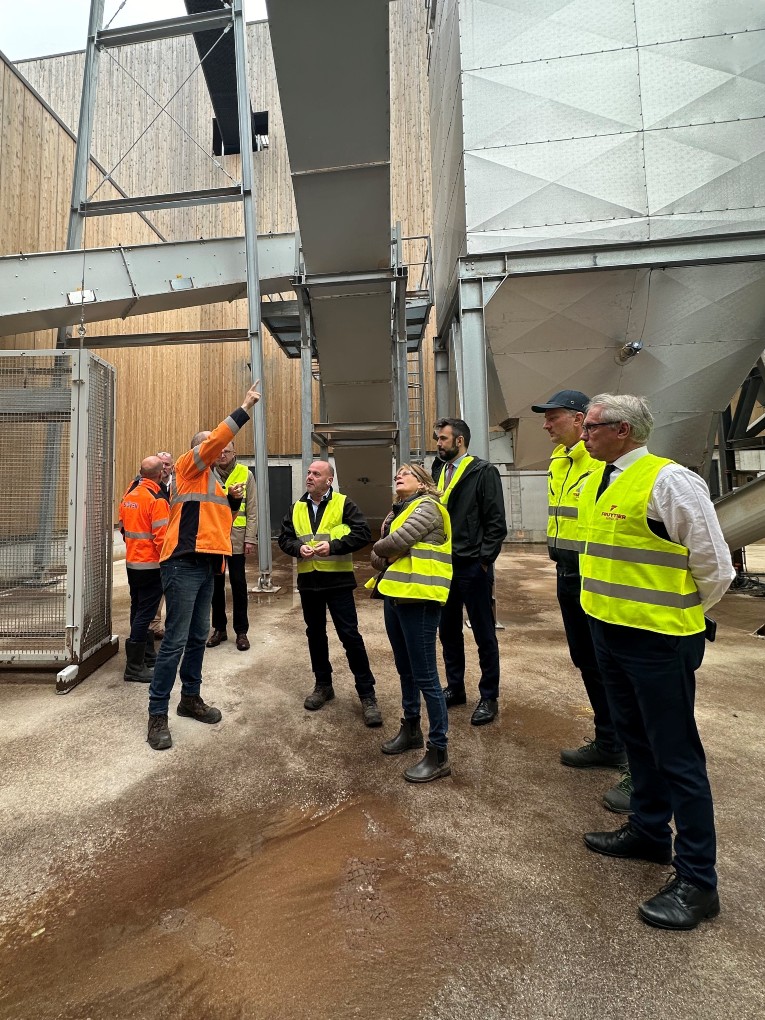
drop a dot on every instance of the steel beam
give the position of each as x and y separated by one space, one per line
75 230
167 29
747 246
253 298
175 200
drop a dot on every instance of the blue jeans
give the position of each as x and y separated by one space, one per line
412 629
188 587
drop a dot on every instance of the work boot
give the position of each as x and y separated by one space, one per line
319 696
192 707
408 737
159 733
434 765
150 655
590 756
215 638
618 797
135 670
371 712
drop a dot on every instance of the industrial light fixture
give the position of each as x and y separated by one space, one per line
630 350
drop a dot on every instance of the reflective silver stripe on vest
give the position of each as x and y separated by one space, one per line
143 566
159 524
563 511
138 534
199 497
431 554
426 579
198 462
651 557
565 543
632 594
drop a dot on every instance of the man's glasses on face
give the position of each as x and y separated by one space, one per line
591 426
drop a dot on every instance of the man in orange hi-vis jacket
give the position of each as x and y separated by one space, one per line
144 514
197 539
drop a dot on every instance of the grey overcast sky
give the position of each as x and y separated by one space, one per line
37 28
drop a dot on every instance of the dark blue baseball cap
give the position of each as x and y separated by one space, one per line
572 400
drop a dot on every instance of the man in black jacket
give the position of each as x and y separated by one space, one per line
322 531
473 496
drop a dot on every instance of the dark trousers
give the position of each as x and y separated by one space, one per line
411 628
472 588
342 609
238 579
145 593
582 652
651 687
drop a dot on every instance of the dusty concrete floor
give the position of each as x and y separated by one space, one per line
277 866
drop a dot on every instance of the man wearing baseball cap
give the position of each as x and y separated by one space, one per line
569 467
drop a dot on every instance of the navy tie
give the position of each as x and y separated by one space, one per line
609 470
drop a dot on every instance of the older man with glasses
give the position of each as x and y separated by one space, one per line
653 561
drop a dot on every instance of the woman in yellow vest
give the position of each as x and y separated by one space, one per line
415 557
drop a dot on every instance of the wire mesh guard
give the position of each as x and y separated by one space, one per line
40 597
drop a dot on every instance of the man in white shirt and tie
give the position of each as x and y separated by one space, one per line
653 561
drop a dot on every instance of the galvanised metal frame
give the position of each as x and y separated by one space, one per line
98 38
480 276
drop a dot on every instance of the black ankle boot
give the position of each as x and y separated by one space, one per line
409 736
150 655
434 765
135 668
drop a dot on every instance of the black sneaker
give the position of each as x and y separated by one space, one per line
192 707
320 695
159 733
618 797
590 756
371 712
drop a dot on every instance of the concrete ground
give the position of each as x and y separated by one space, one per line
277 866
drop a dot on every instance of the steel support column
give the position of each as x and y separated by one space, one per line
474 391
306 381
441 365
253 299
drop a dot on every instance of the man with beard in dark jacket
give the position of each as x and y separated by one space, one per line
472 493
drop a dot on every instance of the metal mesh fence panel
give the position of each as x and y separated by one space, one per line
97 579
35 412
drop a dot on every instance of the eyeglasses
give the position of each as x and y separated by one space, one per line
590 426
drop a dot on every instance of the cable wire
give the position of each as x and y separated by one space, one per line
108 175
188 134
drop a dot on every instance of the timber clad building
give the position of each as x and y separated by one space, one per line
165 393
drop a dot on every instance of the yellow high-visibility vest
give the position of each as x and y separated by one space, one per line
331 527
467 459
568 472
425 572
238 475
630 576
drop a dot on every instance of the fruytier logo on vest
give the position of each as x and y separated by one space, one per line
611 516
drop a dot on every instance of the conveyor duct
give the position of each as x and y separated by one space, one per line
42 291
742 514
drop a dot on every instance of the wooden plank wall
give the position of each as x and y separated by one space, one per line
165 394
